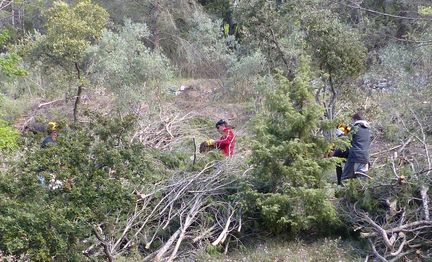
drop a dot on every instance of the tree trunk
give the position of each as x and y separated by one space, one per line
78 96
330 105
156 33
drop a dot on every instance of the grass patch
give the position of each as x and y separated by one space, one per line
292 251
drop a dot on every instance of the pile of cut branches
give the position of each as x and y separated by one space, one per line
189 211
163 132
392 211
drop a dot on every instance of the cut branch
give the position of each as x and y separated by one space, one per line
425 200
49 103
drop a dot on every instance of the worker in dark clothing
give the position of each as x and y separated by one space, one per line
341 131
52 135
51 139
358 155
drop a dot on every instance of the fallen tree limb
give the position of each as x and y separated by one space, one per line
97 231
400 247
180 212
382 232
49 103
385 151
404 228
425 201
222 235
378 255
167 245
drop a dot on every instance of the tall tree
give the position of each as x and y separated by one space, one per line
289 186
339 54
8 67
9 62
70 30
284 30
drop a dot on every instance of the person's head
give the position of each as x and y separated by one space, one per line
54 135
52 130
357 116
221 125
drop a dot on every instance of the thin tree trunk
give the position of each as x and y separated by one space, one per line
290 74
78 96
156 33
332 102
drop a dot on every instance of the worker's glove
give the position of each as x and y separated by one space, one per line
339 132
329 153
206 146
211 142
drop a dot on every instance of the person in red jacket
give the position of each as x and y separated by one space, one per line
226 143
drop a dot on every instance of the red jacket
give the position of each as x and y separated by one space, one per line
227 142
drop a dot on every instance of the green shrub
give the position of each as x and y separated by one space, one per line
122 63
244 77
89 177
288 189
8 136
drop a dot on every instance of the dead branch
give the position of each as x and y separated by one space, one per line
425 201
167 245
401 246
163 133
401 255
223 234
423 141
181 205
381 231
98 233
23 127
195 151
376 252
49 103
405 228
204 234
188 221
385 151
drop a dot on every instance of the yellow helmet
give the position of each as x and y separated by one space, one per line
52 126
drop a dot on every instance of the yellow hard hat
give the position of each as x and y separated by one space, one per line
52 126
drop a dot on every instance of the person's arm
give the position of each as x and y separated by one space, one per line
225 140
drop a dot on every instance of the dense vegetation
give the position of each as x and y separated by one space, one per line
134 86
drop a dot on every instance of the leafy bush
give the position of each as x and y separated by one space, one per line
244 76
8 136
9 61
204 51
123 64
53 198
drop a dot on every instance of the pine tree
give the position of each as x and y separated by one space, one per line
289 183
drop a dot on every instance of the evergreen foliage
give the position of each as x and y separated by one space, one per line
336 47
289 69
205 50
52 198
8 136
289 184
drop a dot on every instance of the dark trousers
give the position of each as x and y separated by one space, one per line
341 154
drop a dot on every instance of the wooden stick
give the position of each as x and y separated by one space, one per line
425 200
387 150
195 150
49 103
